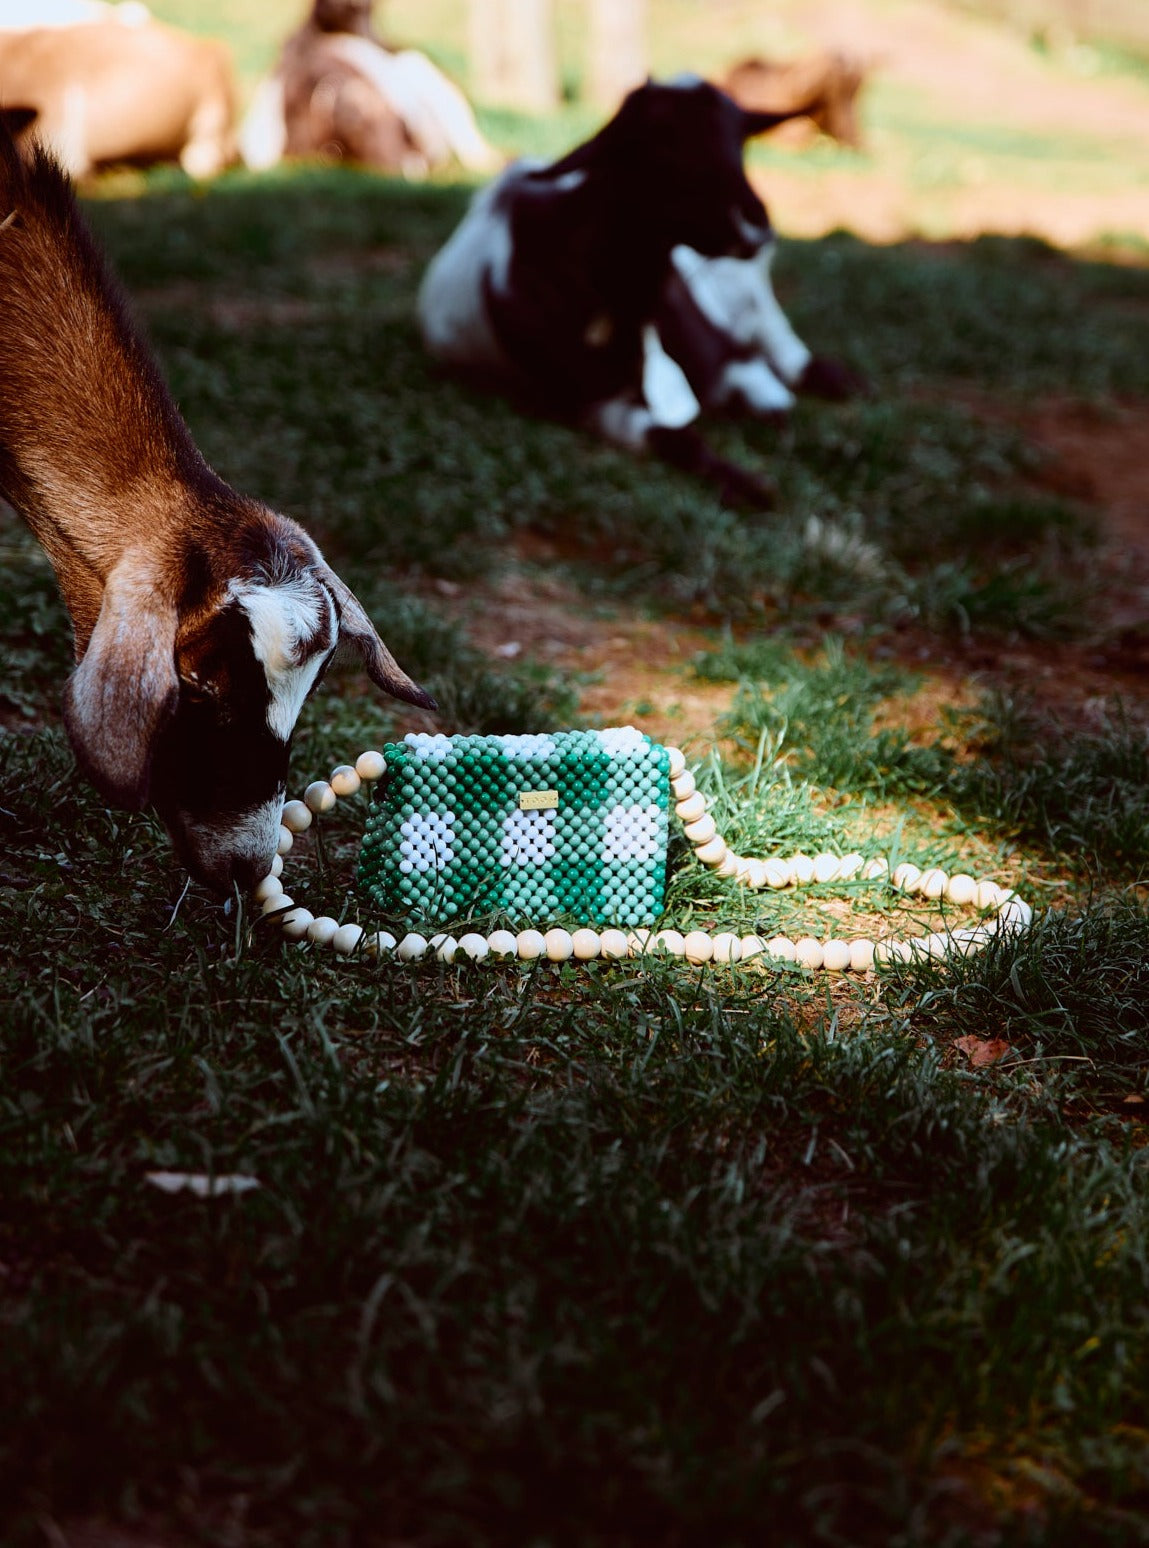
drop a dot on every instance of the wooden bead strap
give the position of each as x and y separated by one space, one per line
1009 912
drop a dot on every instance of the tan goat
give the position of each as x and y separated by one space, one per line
104 92
202 619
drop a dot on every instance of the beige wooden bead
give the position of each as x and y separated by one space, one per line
714 852
371 765
729 866
777 874
677 761
893 951
586 945
826 868
691 808
989 895
346 939
444 946
933 883
782 947
638 942
269 887
850 865
474 946
683 785
936 945
345 780
861 955
295 923
752 946
319 796
411 947
276 901
378 942
967 942
808 952
321 930
285 841
1015 913
836 956
726 947
670 941
502 943
801 870
559 945
697 947
530 944
755 872
296 816
961 889
702 830
906 876
614 945
873 869
276 866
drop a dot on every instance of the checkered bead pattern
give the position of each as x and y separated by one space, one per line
448 835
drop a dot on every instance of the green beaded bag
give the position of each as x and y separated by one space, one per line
573 823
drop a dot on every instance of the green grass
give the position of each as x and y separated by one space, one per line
631 1254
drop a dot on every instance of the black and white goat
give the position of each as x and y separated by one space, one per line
586 284
202 619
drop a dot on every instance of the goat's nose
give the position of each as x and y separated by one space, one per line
247 873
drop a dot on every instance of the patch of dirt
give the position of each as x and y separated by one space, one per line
628 668
631 668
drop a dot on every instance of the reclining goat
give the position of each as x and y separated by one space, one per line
574 283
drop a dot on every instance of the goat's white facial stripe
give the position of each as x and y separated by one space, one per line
281 618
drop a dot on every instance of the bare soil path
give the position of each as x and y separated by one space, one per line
630 667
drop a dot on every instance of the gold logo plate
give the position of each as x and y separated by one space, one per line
538 800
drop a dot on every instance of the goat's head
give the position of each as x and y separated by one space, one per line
681 146
342 16
191 683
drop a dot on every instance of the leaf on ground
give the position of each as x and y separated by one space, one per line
199 1183
981 1051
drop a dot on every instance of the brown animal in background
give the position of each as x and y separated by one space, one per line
102 92
823 87
202 619
338 92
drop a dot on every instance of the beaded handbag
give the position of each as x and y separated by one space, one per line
575 824
571 824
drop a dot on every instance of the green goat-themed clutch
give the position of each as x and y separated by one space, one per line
571 824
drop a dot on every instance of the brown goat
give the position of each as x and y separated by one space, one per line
823 87
202 619
337 91
104 92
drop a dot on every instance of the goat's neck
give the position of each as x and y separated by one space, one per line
93 452
630 264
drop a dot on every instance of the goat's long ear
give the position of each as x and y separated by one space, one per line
357 630
759 123
125 689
